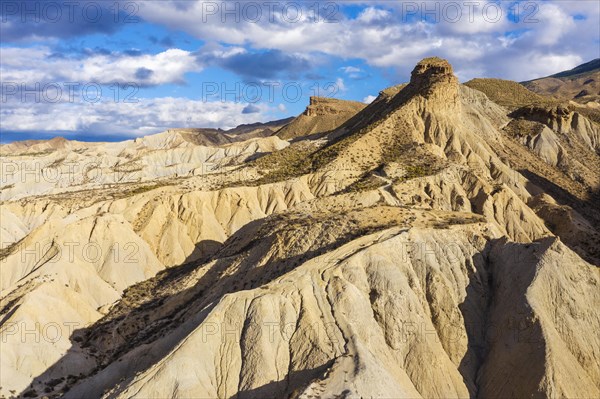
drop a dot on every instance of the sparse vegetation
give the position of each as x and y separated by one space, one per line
25 154
57 162
290 162
508 93
366 183
143 189
414 171
129 167
523 127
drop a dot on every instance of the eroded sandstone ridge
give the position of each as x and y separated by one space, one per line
432 244
322 115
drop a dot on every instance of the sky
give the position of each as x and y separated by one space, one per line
113 69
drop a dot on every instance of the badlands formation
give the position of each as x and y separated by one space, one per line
441 242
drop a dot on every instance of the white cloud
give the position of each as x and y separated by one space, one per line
350 69
144 117
219 51
518 51
474 17
382 37
534 65
354 72
372 14
369 99
38 64
553 24
380 34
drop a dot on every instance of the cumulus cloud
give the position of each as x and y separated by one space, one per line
390 34
250 109
372 14
146 116
369 99
521 45
268 42
265 65
533 65
340 85
554 23
38 64
24 20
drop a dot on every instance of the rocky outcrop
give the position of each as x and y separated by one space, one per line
322 106
435 76
322 115
564 121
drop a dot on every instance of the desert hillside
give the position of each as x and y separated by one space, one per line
322 115
440 242
580 84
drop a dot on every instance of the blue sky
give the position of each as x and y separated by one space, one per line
109 70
